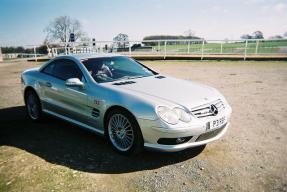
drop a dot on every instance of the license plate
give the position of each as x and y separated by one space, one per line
217 122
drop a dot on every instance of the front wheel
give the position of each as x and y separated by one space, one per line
33 105
124 132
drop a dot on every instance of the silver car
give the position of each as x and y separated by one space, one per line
130 104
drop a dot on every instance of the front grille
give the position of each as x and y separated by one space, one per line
205 110
210 134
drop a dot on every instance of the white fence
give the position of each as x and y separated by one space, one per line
192 48
21 55
182 47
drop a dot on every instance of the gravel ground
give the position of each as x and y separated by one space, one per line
57 156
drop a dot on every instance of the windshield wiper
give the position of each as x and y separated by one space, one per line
122 78
135 77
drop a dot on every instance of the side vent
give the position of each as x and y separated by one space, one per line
95 112
160 77
124 83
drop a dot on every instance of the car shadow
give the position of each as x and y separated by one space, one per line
64 144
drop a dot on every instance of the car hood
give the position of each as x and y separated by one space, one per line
181 92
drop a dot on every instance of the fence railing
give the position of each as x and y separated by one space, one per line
21 55
199 47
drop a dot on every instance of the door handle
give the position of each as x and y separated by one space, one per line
48 84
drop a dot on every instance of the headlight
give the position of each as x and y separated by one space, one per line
182 114
168 115
172 116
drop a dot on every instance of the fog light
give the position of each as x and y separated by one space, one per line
180 140
173 141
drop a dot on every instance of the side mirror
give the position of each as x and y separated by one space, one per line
74 82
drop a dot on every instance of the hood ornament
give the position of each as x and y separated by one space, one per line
213 110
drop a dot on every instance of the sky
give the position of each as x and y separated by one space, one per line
22 22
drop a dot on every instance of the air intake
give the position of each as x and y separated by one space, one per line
95 112
124 83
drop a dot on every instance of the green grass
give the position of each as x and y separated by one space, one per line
227 48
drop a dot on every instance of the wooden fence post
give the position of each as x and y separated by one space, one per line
1 56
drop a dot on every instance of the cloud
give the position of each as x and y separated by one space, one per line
251 2
217 8
274 9
280 7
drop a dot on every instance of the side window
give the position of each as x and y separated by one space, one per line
49 68
64 69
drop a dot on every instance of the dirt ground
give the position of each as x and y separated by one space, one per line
58 156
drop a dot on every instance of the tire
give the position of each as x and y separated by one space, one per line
33 106
123 132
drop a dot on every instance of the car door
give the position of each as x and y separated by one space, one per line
47 91
65 100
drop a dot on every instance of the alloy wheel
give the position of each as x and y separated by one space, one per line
121 132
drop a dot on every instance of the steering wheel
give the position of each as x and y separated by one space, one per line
107 71
102 76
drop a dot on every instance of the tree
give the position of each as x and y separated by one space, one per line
61 28
246 36
152 40
257 35
14 50
189 33
276 37
121 40
42 49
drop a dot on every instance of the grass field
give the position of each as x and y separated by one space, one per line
263 47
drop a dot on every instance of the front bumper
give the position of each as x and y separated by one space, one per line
195 141
198 129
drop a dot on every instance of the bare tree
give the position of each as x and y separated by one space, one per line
189 33
61 28
121 40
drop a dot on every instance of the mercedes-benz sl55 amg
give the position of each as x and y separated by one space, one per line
130 104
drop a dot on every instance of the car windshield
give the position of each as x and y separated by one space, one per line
108 69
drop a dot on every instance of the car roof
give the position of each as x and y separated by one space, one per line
83 56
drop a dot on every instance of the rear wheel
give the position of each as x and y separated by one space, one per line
33 105
124 133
